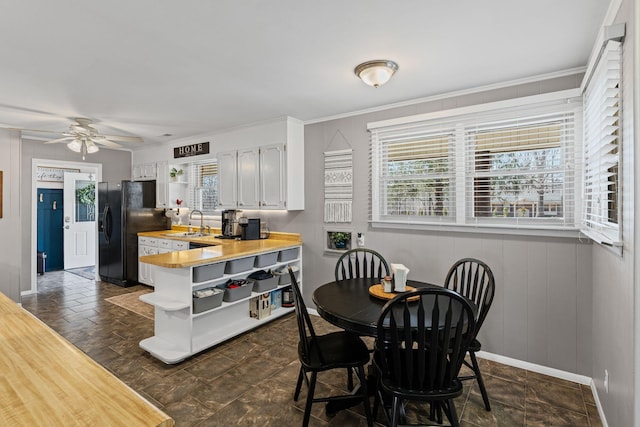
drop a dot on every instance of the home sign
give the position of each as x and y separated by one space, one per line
191 150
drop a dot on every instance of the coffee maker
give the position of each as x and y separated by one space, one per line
229 224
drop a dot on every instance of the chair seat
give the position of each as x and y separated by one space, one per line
339 350
475 345
440 394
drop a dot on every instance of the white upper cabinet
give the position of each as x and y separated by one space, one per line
260 178
144 171
268 176
272 177
228 180
249 178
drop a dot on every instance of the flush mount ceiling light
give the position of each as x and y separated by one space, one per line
376 73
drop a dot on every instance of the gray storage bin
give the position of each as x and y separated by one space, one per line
265 260
265 285
209 302
239 265
202 273
288 254
283 276
234 294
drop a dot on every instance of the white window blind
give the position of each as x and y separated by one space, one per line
203 185
521 169
602 112
503 167
415 174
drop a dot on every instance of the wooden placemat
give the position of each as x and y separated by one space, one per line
377 291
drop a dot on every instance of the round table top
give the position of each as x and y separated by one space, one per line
348 304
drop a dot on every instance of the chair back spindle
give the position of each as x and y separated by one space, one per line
361 263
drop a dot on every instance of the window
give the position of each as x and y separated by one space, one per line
416 174
601 204
203 185
495 166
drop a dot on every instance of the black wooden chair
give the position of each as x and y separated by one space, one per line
422 340
317 353
361 262
357 263
474 279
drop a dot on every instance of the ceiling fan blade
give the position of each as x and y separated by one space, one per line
104 141
123 138
66 138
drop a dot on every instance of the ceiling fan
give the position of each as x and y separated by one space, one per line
83 138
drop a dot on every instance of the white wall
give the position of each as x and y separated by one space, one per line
10 221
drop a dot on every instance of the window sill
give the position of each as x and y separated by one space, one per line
557 232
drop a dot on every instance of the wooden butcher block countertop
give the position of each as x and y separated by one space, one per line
222 250
46 381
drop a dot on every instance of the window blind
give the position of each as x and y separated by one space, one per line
506 167
602 112
519 169
414 172
203 185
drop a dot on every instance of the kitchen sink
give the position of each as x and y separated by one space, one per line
187 234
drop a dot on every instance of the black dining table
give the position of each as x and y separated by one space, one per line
349 305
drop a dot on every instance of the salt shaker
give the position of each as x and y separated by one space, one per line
387 284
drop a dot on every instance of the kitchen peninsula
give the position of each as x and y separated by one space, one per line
181 330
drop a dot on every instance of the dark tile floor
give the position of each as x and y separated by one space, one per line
250 379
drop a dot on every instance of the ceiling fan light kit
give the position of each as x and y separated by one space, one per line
84 138
376 73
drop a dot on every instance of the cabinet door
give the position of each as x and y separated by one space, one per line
149 170
227 180
138 172
248 178
162 185
272 177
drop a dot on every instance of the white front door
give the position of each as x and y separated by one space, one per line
79 220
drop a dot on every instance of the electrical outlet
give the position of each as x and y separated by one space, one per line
606 381
360 240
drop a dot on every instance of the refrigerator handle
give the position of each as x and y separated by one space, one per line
107 223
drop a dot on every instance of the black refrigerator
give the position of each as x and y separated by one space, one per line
125 208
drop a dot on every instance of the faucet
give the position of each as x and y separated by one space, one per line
201 219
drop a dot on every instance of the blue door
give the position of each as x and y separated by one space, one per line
49 202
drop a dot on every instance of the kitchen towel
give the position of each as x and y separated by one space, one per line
338 185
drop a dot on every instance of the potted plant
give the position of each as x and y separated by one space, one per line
174 173
340 239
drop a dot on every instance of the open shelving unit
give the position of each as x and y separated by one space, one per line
180 333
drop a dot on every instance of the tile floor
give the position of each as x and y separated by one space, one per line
250 380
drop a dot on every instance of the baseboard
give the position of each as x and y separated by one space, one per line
594 390
552 372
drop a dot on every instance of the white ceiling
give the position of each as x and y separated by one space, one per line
152 67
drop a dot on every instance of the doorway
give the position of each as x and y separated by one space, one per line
48 180
50 245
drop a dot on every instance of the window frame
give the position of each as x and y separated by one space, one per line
194 169
461 120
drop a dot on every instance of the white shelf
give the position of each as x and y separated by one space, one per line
163 303
230 304
230 330
163 350
242 274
